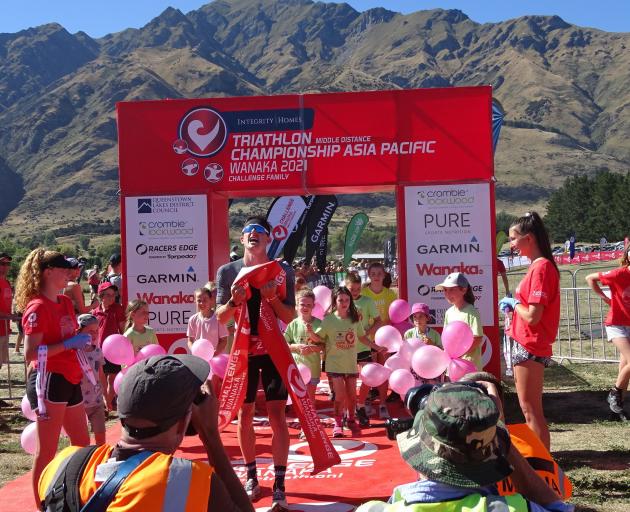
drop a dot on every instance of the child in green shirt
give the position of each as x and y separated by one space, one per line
136 328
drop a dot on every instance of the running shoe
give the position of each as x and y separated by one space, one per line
302 435
252 489
279 501
615 401
337 431
362 416
383 412
354 427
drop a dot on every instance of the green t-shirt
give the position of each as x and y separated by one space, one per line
341 337
368 314
433 336
296 334
141 339
469 315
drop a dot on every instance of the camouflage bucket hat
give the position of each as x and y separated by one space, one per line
457 439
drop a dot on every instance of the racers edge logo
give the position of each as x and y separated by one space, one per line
203 131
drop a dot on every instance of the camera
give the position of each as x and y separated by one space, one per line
415 400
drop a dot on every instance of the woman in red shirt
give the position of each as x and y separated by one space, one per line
54 389
617 324
535 320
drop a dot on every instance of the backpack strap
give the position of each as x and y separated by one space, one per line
101 499
63 495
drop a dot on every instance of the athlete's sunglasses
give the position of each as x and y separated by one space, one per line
255 227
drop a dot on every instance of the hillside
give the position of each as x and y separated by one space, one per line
565 90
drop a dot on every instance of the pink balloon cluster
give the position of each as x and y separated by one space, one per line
427 361
118 349
203 348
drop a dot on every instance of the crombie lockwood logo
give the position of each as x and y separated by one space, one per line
204 132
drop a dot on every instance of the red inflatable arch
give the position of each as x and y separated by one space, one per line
182 160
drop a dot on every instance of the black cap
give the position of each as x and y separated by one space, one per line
57 260
74 263
160 389
115 259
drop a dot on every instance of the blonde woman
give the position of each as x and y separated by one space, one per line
54 389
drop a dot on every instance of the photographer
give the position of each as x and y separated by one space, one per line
158 398
461 450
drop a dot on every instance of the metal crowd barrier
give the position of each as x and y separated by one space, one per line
11 372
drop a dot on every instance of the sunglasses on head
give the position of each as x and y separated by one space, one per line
255 227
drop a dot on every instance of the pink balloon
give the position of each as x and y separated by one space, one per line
416 343
118 350
397 363
219 365
28 438
323 295
149 351
305 372
118 381
457 368
203 348
318 311
401 380
386 335
406 351
457 338
403 327
399 311
374 374
27 411
429 361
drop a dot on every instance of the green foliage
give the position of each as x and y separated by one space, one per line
589 208
504 221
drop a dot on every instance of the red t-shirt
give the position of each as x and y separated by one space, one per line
619 282
108 321
541 285
57 322
6 299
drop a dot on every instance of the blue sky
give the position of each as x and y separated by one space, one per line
103 17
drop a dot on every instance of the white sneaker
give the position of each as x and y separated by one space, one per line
383 412
252 489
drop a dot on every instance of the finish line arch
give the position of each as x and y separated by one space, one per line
182 160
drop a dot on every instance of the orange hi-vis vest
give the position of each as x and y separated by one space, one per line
161 482
539 458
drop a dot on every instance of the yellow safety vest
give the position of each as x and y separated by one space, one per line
470 503
539 458
160 483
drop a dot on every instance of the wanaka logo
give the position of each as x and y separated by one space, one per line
204 131
145 205
213 173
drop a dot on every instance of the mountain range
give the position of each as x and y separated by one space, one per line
565 90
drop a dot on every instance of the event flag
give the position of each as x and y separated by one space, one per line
235 381
353 232
283 215
389 251
322 252
318 219
299 232
497 121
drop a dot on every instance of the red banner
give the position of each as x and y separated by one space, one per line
276 144
588 257
235 381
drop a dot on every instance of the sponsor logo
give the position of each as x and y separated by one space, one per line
444 197
32 319
443 270
463 248
204 131
188 277
424 290
295 381
190 167
145 205
180 147
279 232
458 220
184 251
178 298
346 448
167 228
213 173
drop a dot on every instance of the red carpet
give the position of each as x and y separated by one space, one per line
371 466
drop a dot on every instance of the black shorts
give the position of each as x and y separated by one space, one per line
111 368
58 390
272 382
364 357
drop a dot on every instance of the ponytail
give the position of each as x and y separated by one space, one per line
532 223
469 296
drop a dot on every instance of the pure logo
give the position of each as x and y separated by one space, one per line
204 131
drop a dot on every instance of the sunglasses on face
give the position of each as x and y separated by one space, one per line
255 227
